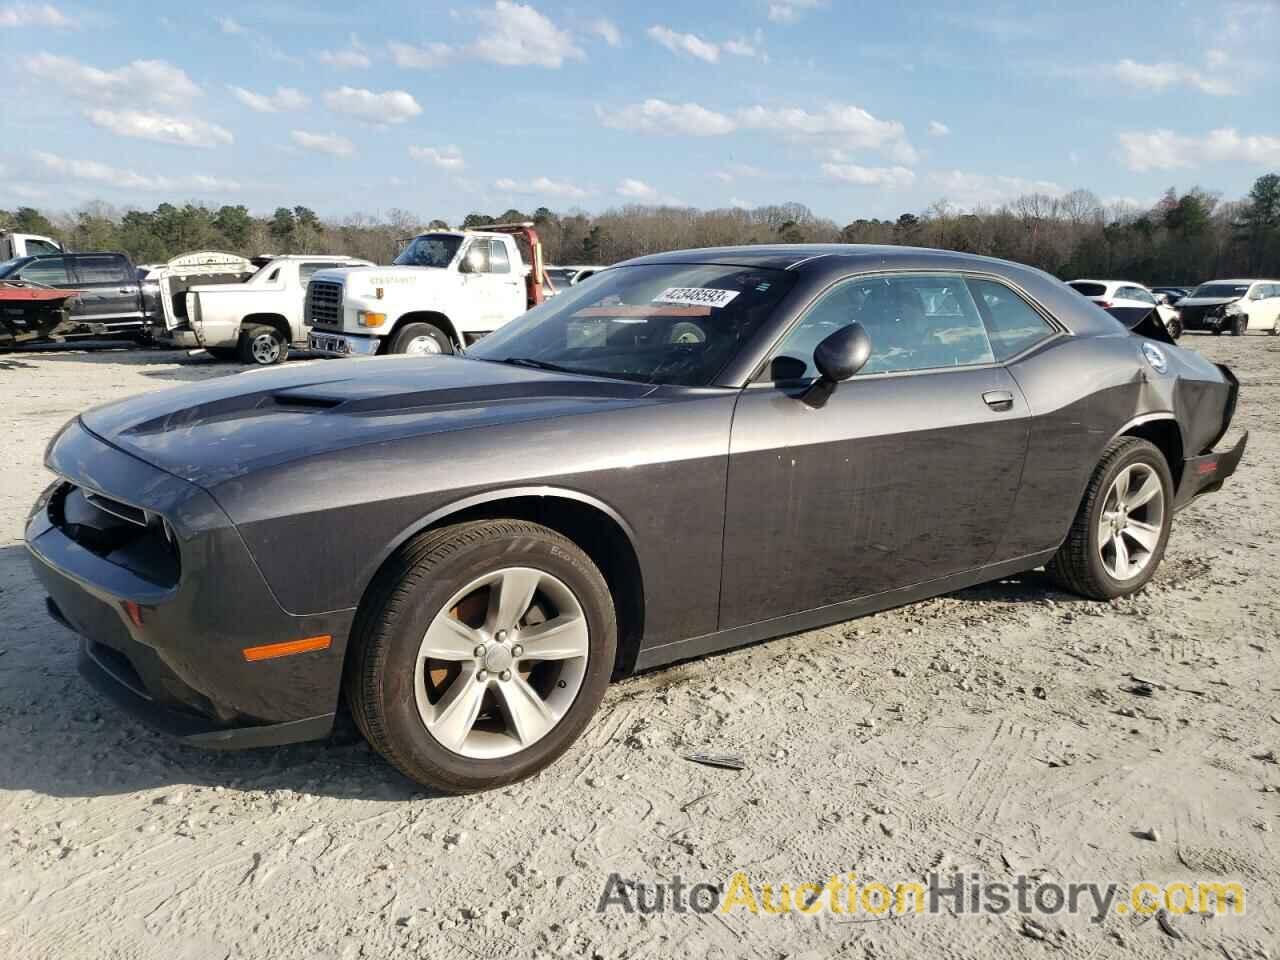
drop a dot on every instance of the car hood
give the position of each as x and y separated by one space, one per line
214 431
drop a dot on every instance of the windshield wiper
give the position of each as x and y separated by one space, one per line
538 364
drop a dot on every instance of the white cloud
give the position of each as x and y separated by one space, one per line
542 186
844 125
285 98
34 15
140 125
516 35
1144 150
393 106
735 171
938 129
788 11
634 189
330 143
688 43
977 189
890 178
659 116
426 57
150 81
1158 77
230 25
354 57
92 171
607 31
446 158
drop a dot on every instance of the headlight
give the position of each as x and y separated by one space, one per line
1233 308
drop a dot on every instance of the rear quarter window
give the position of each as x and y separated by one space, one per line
1089 289
1013 325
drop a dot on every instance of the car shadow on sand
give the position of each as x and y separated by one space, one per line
62 738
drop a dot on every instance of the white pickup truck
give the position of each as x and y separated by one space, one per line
446 290
14 245
258 320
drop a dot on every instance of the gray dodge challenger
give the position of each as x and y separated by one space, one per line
686 453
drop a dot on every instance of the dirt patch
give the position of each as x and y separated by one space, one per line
995 731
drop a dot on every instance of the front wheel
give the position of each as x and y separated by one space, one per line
421 338
263 346
1240 326
1275 328
1119 534
481 653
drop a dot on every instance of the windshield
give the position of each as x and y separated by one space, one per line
433 250
660 323
1221 290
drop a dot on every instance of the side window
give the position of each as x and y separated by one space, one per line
50 272
1143 296
916 322
37 247
1014 325
478 252
94 268
499 262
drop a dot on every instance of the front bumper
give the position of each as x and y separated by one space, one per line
171 649
342 344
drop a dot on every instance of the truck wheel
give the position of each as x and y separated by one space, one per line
420 338
480 653
1119 534
262 346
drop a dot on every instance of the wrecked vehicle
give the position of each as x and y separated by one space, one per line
692 451
1235 306
258 320
446 289
107 295
164 290
32 312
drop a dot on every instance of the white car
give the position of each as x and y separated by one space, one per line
1123 296
1237 306
257 321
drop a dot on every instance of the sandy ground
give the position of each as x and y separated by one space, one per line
990 731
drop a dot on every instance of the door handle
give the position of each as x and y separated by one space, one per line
126 290
1000 400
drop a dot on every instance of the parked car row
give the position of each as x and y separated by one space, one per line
1220 306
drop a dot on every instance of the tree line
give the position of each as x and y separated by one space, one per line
1183 238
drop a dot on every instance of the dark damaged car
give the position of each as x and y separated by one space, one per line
693 451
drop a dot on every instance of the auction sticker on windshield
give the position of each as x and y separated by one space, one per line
697 296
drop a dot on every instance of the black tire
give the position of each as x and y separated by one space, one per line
409 591
1175 329
262 346
225 354
1078 566
414 331
1217 331
1240 326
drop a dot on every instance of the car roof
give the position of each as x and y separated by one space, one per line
795 256
1118 283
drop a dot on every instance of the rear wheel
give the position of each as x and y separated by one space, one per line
262 345
1120 531
1174 327
421 338
481 653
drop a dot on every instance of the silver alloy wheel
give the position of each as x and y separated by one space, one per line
423 345
498 685
1131 523
265 348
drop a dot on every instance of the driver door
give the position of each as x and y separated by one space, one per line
907 474
493 289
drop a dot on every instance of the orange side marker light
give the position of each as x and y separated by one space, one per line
270 651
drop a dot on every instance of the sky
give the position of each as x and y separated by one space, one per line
856 108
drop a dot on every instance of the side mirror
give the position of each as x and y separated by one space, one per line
838 357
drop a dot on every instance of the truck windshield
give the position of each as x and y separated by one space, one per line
430 251
657 323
